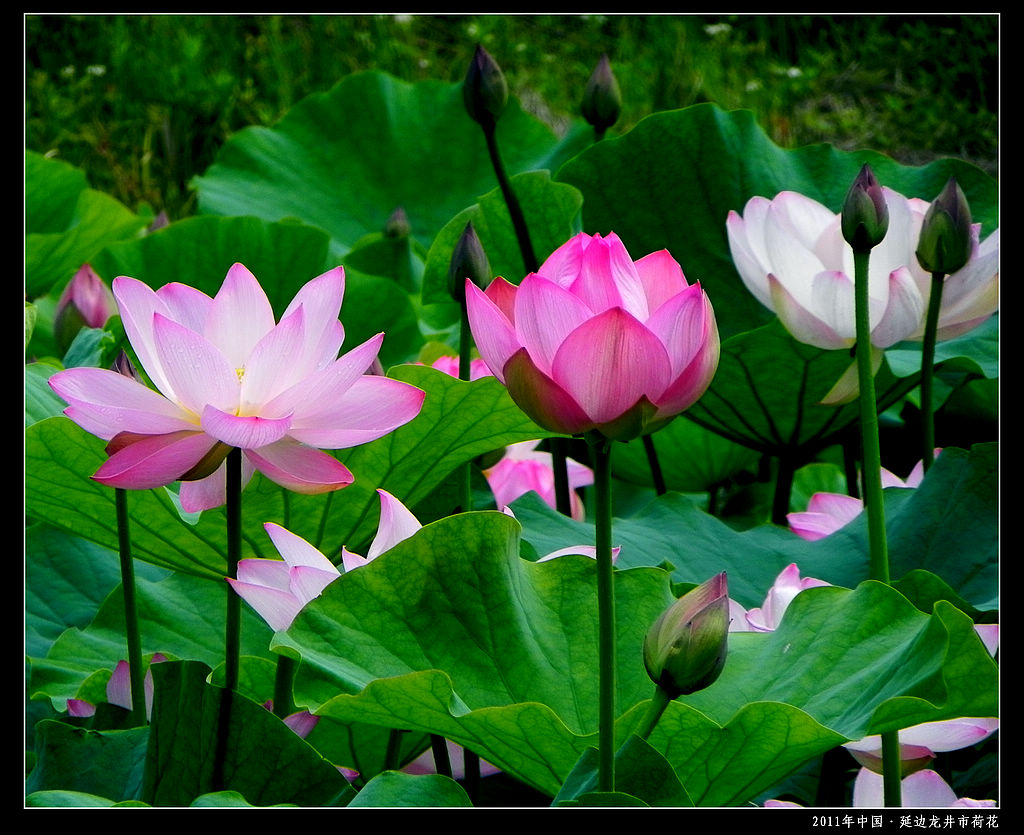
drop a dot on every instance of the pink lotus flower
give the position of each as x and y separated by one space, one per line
85 302
119 690
596 341
828 512
278 590
228 376
768 616
523 468
450 365
922 789
791 254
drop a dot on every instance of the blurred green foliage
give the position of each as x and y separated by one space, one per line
143 102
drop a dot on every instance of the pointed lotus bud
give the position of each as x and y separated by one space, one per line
468 261
685 648
485 90
946 240
85 303
602 100
865 217
397 225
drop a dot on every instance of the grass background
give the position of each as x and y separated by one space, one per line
142 103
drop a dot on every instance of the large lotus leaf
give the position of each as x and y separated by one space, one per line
948 526
264 760
672 180
66 223
452 632
345 159
459 421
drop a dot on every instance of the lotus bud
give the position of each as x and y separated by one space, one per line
865 217
85 303
485 90
468 261
397 225
685 648
602 100
946 241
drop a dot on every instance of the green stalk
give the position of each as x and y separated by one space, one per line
606 614
659 702
465 343
131 613
870 448
439 748
928 370
872 485
233 619
284 676
514 209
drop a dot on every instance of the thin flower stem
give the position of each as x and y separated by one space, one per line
439 748
928 370
511 201
871 477
131 614
655 465
659 701
561 473
783 489
465 345
232 634
606 614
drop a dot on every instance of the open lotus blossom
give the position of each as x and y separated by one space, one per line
791 254
768 616
828 512
524 468
596 341
228 376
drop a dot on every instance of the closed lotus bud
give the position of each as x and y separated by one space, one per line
468 261
85 303
397 225
946 241
602 100
685 648
485 90
865 216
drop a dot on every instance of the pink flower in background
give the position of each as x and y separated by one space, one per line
119 690
768 616
278 589
450 366
596 341
424 763
86 302
523 468
922 789
397 524
828 512
791 254
228 376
